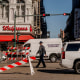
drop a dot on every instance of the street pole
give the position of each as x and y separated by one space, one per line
39 18
17 36
41 15
15 29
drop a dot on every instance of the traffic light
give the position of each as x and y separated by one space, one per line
65 14
46 15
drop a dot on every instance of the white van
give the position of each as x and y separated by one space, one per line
53 47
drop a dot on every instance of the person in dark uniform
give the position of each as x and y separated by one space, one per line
41 51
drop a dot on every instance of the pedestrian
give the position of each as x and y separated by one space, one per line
41 52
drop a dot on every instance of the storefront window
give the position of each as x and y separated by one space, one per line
3 46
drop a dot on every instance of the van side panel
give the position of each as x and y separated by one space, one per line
34 48
53 45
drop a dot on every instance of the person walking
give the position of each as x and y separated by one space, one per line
41 52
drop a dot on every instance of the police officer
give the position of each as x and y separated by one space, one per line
41 51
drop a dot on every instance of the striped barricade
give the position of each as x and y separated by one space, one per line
17 55
14 56
26 60
15 48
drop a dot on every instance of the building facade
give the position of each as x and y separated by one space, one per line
72 30
75 4
39 21
43 21
25 25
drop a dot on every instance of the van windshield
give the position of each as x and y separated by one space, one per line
27 45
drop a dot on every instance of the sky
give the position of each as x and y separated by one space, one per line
55 23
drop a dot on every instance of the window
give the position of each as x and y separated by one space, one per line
0 11
4 9
73 47
35 17
27 45
23 9
20 1
7 11
5 1
18 10
12 11
20 7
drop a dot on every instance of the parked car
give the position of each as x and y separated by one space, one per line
71 56
53 47
2 56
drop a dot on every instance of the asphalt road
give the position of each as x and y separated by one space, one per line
53 71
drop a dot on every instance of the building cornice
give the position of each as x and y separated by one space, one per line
13 24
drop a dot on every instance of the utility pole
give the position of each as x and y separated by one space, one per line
39 17
36 21
14 29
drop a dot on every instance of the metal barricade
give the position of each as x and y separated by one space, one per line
22 55
17 54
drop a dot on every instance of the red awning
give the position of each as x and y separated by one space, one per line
22 38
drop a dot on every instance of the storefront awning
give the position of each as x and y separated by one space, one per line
22 38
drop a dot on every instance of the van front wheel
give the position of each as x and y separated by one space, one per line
53 58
